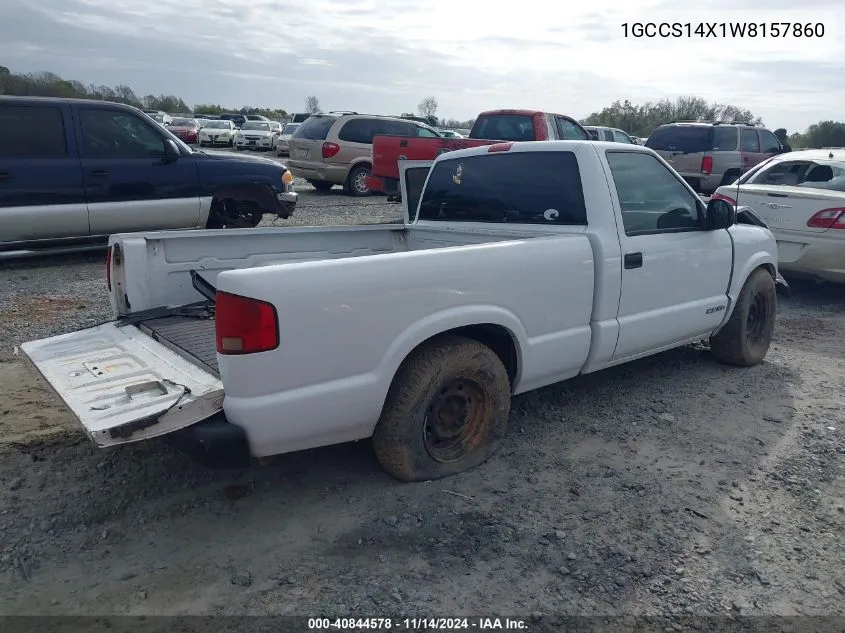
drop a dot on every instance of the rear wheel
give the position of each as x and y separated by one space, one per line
231 214
446 411
321 185
356 183
745 339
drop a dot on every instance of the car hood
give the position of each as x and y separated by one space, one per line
176 128
255 132
216 130
239 157
285 137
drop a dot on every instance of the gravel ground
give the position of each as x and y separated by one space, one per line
669 486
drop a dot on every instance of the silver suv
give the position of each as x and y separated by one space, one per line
336 149
709 155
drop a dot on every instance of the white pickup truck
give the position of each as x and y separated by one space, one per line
522 264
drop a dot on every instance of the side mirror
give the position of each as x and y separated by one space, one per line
171 150
720 215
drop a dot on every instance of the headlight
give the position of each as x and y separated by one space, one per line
287 177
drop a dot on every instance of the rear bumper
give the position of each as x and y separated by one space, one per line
216 443
818 255
310 170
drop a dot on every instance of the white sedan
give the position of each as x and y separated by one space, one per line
282 148
801 196
216 132
256 135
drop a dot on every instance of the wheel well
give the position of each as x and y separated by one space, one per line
257 193
497 338
769 268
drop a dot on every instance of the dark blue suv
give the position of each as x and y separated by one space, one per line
74 171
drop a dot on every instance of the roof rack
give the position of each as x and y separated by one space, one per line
737 123
342 112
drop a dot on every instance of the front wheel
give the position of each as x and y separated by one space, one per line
745 339
446 411
357 182
230 214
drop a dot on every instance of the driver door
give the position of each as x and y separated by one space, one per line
675 274
130 185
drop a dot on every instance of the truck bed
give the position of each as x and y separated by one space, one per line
162 263
191 338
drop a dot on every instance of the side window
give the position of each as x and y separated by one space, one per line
620 137
569 131
425 132
724 138
359 131
651 198
608 135
110 134
31 132
769 144
748 142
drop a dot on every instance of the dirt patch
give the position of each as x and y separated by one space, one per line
671 486
39 310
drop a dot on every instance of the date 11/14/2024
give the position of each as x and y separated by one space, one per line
723 30
416 624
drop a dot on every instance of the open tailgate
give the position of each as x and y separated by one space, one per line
122 385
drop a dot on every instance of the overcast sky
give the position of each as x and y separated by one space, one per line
384 56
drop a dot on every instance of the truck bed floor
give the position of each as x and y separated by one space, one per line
191 338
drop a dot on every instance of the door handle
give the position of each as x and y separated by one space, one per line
4 175
403 143
99 173
633 260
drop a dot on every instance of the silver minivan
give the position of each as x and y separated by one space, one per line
336 149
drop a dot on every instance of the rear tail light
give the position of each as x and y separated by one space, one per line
707 165
728 199
244 325
828 219
330 149
500 147
108 268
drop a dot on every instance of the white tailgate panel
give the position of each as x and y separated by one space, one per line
112 377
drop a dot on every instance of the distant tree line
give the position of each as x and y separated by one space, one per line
639 120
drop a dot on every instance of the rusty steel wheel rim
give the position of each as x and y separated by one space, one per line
755 323
456 420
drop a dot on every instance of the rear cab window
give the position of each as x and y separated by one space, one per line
681 138
315 128
504 127
508 188
32 131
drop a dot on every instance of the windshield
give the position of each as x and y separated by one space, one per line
217 124
256 125
290 128
184 123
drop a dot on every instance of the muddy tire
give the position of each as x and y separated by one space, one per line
745 339
446 412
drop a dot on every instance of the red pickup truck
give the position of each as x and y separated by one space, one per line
490 127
